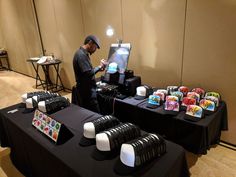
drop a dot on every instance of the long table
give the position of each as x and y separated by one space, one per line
196 137
35 155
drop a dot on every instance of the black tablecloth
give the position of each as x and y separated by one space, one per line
35 155
196 137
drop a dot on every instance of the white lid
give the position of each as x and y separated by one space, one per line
89 130
141 91
127 155
102 142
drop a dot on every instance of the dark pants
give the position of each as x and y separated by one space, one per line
87 103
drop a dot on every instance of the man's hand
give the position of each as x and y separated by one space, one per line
103 64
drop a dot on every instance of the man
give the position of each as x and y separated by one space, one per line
85 73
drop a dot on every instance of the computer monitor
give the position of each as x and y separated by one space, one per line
118 58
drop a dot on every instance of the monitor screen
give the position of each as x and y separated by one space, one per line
118 58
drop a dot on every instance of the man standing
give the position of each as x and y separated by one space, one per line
85 73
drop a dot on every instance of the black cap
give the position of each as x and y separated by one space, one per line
94 39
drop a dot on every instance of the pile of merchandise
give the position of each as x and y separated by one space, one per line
112 135
45 101
195 102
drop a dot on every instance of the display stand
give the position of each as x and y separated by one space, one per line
36 69
48 84
54 130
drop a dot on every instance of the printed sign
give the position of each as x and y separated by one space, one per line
194 95
154 100
172 98
188 101
207 105
194 110
46 125
199 91
178 94
171 105
163 91
214 99
160 94
184 90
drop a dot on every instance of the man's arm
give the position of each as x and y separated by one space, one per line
101 67
97 69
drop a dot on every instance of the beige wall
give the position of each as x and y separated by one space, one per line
155 29
164 50
20 33
210 51
2 41
97 16
62 32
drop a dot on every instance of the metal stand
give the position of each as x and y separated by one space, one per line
37 78
1 65
48 84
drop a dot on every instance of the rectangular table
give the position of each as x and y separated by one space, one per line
35 155
196 137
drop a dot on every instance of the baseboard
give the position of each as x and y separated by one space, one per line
228 145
